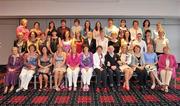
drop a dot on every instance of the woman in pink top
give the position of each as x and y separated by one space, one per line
23 29
73 61
167 67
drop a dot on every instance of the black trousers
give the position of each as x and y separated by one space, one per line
111 74
101 76
142 76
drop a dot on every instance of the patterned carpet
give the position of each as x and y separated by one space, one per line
119 97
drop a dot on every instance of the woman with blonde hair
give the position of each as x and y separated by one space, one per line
124 65
59 61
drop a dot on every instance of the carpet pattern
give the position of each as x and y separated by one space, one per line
117 97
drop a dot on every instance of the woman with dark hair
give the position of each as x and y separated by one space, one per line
97 30
66 42
42 41
167 68
87 28
126 40
138 65
33 40
23 29
44 63
15 63
135 29
146 26
30 65
61 31
122 25
78 41
86 65
148 39
20 44
36 29
50 28
53 42
59 60
76 27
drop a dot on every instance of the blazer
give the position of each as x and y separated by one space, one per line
173 63
91 46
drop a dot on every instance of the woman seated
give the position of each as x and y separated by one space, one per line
73 61
124 65
138 65
15 63
99 68
44 63
30 65
86 65
167 68
111 62
59 67
150 65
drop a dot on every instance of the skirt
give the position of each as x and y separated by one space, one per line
123 67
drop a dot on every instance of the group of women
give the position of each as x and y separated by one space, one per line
108 51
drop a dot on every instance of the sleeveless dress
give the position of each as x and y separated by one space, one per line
58 61
44 63
66 46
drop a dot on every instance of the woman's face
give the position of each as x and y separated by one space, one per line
54 34
87 24
78 34
98 25
150 48
136 25
43 36
148 35
76 24
86 49
123 23
51 24
33 35
25 23
36 26
44 50
110 23
31 49
166 50
74 50
161 34
146 24
124 49
137 50
14 50
127 34
59 49
114 35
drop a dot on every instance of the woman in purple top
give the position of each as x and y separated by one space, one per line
15 63
73 69
86 65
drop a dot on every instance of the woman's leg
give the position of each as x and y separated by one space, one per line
56 77
167 79
152 79
69 76
29 76
61 75
40 81
45 76
75 77
163 78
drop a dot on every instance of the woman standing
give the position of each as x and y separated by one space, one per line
78 41
114 42
15 63
36 29
66 42
44 63
50 28
59 60
87 28
33 40
86 65
146 26
97 30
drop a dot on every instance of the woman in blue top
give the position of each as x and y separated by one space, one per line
150 65
30 65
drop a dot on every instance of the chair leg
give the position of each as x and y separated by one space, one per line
50 81
35 82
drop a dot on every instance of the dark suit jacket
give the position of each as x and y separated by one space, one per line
91 46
